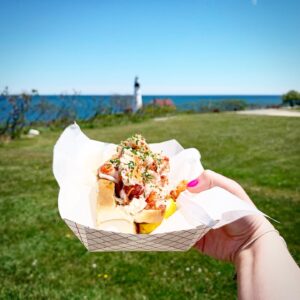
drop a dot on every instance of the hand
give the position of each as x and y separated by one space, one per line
224 243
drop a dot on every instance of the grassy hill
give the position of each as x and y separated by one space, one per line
41 259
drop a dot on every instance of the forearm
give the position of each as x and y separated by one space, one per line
266 270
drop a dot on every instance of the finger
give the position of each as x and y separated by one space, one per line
209 179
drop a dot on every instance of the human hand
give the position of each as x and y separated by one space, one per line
224 243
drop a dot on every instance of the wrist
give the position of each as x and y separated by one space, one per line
260 265
266 270
257 228
252 248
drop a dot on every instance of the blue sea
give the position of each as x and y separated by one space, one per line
86 105
184 101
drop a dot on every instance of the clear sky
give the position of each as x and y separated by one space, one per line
175 47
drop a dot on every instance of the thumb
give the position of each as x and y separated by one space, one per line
209 179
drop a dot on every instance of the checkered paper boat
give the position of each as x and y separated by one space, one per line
99 240
75 162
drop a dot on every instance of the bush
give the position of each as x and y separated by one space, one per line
232 105
121 103
14 109
223 105
156 110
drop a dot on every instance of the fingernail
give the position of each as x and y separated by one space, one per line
193 183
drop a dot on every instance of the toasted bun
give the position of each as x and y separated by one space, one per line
149 216
106 194
109 216
113 218
123 226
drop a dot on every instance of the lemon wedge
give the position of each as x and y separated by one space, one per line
170 209
149 227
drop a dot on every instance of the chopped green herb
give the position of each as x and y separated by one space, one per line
147 177
131 165
134 151
115 161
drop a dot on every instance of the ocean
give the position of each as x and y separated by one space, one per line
84 106
252 100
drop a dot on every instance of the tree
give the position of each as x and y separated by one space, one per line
292 97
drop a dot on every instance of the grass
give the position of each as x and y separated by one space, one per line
41 259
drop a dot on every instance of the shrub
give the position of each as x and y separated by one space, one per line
14 109
223 105
121 103
156 110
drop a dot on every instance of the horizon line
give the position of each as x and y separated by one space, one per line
157 94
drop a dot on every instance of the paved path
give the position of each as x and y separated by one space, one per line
271 112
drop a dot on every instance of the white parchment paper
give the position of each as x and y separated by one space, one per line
77 158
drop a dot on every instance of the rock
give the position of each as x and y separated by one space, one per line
33 132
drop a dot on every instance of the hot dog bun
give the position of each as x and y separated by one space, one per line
110 216
149 216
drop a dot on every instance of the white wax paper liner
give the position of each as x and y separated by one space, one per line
77 158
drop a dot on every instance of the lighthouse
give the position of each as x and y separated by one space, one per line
137 97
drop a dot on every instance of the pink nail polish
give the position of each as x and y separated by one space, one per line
193 183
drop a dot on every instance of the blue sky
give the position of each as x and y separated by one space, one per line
175 47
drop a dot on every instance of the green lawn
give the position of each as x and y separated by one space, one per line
41 259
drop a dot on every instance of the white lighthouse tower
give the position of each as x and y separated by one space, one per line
137 98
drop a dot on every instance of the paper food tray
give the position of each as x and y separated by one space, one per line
99 240
75 163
